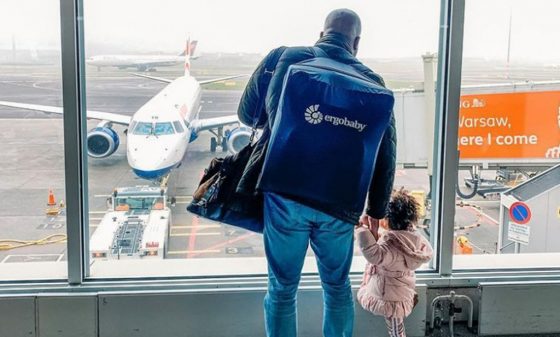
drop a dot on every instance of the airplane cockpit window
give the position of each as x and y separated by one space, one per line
178 126
163 129
157 129
132 125
143 128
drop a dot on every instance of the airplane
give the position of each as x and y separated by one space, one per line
142 62
159 133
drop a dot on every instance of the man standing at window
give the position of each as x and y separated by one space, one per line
292 222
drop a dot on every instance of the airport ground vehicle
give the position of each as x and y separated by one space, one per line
136 226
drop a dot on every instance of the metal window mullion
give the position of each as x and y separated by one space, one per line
447 115
75 160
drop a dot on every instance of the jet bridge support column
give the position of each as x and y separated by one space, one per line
430 102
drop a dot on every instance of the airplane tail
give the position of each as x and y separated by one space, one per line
190 47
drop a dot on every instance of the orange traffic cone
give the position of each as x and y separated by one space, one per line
52 209
52 201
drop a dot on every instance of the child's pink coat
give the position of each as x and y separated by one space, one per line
389 280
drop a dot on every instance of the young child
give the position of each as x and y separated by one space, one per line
389 280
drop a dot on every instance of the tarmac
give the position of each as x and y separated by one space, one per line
32 146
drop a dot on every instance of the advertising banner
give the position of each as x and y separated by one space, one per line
518 125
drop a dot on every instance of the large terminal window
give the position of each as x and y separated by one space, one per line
508 200
175 43
32 182
160 77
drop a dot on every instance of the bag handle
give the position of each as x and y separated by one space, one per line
264 82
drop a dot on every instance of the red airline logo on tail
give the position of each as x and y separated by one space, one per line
190 47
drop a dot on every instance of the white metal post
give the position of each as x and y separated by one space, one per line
450 57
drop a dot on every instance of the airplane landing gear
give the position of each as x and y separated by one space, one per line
213 144
219 140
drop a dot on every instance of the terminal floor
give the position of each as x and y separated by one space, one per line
461 330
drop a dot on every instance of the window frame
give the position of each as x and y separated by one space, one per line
75 138
446 160
178 126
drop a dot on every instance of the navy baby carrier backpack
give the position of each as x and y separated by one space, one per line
326 134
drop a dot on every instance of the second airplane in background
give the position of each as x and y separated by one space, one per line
142 62
160 131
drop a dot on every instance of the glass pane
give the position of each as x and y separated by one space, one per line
163 129
32 212
509 137
232 41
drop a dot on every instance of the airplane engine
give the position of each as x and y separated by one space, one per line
238 138
102 142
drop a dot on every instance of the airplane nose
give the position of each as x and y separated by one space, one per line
149 168
151 174
151 157
149 164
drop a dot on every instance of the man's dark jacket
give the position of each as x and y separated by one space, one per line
337 47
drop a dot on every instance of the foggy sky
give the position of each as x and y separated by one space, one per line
391 28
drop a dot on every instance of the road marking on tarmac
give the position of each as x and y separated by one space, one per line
488 217
192 238
183 199
196 234
225 243
193 226
33 257
189 197
205 251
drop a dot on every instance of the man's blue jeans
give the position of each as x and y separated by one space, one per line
289 227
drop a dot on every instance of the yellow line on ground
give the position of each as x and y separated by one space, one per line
98 212
195 234
179 252
193 226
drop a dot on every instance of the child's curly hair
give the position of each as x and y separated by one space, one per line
403 210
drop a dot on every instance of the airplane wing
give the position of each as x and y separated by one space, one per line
165 80
104 116
212 123
214 80
160 79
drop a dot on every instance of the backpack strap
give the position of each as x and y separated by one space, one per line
264 82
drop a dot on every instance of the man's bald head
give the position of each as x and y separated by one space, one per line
346 22
343 21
